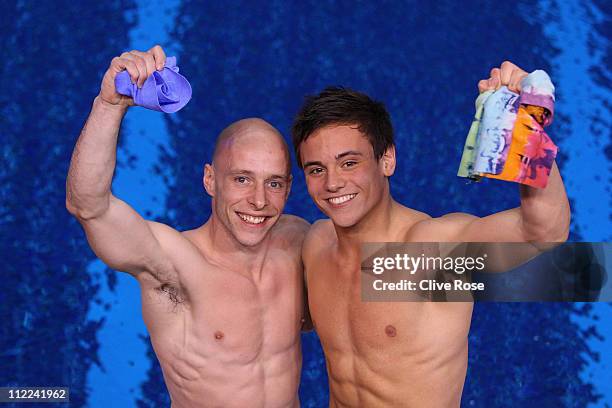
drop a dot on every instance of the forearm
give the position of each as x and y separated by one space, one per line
88 187
545 213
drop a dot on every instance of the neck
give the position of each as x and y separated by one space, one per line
373 227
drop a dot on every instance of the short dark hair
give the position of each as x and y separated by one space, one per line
342 106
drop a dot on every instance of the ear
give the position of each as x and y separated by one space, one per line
388 161
209 179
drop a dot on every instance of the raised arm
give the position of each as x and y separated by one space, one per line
116 233
543 216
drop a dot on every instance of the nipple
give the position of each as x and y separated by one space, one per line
390 331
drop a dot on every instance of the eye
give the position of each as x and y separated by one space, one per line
241 179
315 171
276 184
349 163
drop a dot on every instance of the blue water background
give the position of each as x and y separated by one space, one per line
70 321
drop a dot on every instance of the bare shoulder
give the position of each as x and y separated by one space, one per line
162 230
171 245
291 230
168 237
321 234
445 228
182 247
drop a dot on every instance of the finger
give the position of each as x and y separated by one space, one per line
142 67
140 64
148 59
119 64
496 77
506 69
515 80
159 55
484 85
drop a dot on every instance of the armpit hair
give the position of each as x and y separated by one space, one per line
174 293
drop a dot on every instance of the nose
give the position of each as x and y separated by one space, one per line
334 181
258 197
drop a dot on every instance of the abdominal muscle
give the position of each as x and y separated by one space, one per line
224 352
398 354
198 379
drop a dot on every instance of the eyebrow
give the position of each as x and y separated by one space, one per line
245 172
348 153
338 156
251 174
277 177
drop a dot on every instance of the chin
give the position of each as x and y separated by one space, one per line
344 221
251 238
249 241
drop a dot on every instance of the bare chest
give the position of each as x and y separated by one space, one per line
229 315
386 330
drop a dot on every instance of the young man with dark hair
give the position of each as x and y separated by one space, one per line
392 354
336 105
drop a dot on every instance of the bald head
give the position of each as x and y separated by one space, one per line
250 176
247 132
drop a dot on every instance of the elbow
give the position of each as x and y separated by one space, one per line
71 208
84 213
70 204
77 212
84 206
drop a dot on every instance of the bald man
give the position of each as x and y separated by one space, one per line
223 303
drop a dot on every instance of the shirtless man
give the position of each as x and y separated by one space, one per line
382 354
223 303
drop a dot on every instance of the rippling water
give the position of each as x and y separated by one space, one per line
69 321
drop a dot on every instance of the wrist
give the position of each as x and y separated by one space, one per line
118 108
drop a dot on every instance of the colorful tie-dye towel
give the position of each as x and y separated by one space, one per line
466 168
495 132
532 153
509 142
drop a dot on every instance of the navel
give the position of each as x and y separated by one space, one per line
390 331
219 335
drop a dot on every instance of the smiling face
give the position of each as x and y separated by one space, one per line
249 182
343 176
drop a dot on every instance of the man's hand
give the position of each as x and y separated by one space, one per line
140 65
507 74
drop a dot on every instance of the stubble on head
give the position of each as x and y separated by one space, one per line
249 180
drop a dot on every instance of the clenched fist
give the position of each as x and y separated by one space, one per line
140 65
507 74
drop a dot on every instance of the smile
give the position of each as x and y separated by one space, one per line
342 199
250 219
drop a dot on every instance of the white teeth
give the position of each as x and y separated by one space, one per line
342 199
252 220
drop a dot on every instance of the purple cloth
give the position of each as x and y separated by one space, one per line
164 91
